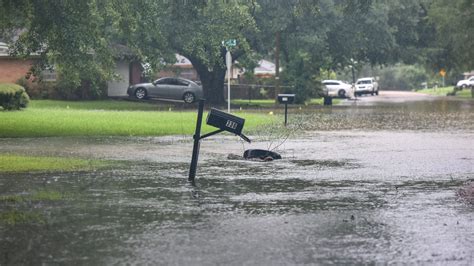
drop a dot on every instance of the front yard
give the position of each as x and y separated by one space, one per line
46 118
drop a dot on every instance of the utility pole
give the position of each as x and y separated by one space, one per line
277 63
353 77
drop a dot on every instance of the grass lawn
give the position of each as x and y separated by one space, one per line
466 93
116 105
19 163
44 118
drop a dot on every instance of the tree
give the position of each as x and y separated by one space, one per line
75 36
196 30
454 24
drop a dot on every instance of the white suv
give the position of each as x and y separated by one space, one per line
336 88
466 83
366 86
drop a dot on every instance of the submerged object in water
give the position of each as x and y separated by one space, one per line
265 155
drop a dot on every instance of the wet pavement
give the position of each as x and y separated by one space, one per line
371 181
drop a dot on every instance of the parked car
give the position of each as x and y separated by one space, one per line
336 88
366 86
167 88
466 83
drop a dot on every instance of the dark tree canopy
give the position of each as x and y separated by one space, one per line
76 36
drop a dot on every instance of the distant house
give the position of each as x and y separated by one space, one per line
127 67
12 68
467 75
265 69
183 68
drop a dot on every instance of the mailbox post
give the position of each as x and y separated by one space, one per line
221 120
286 99
197 142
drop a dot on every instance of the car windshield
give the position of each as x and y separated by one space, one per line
330 83
364 82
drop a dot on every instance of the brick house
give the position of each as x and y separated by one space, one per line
127 67
181 68
11 68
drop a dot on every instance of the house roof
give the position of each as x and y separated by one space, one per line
469 73
182 61
265 67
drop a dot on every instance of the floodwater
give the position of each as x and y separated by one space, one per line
373 181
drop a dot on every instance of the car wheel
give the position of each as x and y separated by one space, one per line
189 97
341 93
372 93
377 92
463 86
140 93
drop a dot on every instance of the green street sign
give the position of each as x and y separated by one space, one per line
230 43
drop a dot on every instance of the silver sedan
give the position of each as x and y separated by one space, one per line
167 88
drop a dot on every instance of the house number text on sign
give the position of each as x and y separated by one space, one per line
231 124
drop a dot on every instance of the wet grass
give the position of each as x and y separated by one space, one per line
324 163
18 163
105 118
14 217
36 196
116 105
17 207
466 93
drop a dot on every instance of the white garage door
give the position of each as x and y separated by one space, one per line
119 87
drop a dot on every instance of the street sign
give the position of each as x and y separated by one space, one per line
229 43
442 72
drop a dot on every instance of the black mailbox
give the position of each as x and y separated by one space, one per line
225 121
286 98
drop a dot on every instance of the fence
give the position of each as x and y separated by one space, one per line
253 91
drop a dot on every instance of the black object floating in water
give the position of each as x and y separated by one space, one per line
261 154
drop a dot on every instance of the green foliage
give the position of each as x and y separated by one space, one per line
13 97
196 30
298 73
454 23
402 77
79 38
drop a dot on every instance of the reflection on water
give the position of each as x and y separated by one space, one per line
337 197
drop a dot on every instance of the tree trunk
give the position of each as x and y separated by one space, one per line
212 80
212 83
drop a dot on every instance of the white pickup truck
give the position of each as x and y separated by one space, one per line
366 86
466 83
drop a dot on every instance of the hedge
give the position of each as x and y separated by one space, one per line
13 96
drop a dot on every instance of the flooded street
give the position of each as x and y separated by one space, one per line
372 181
